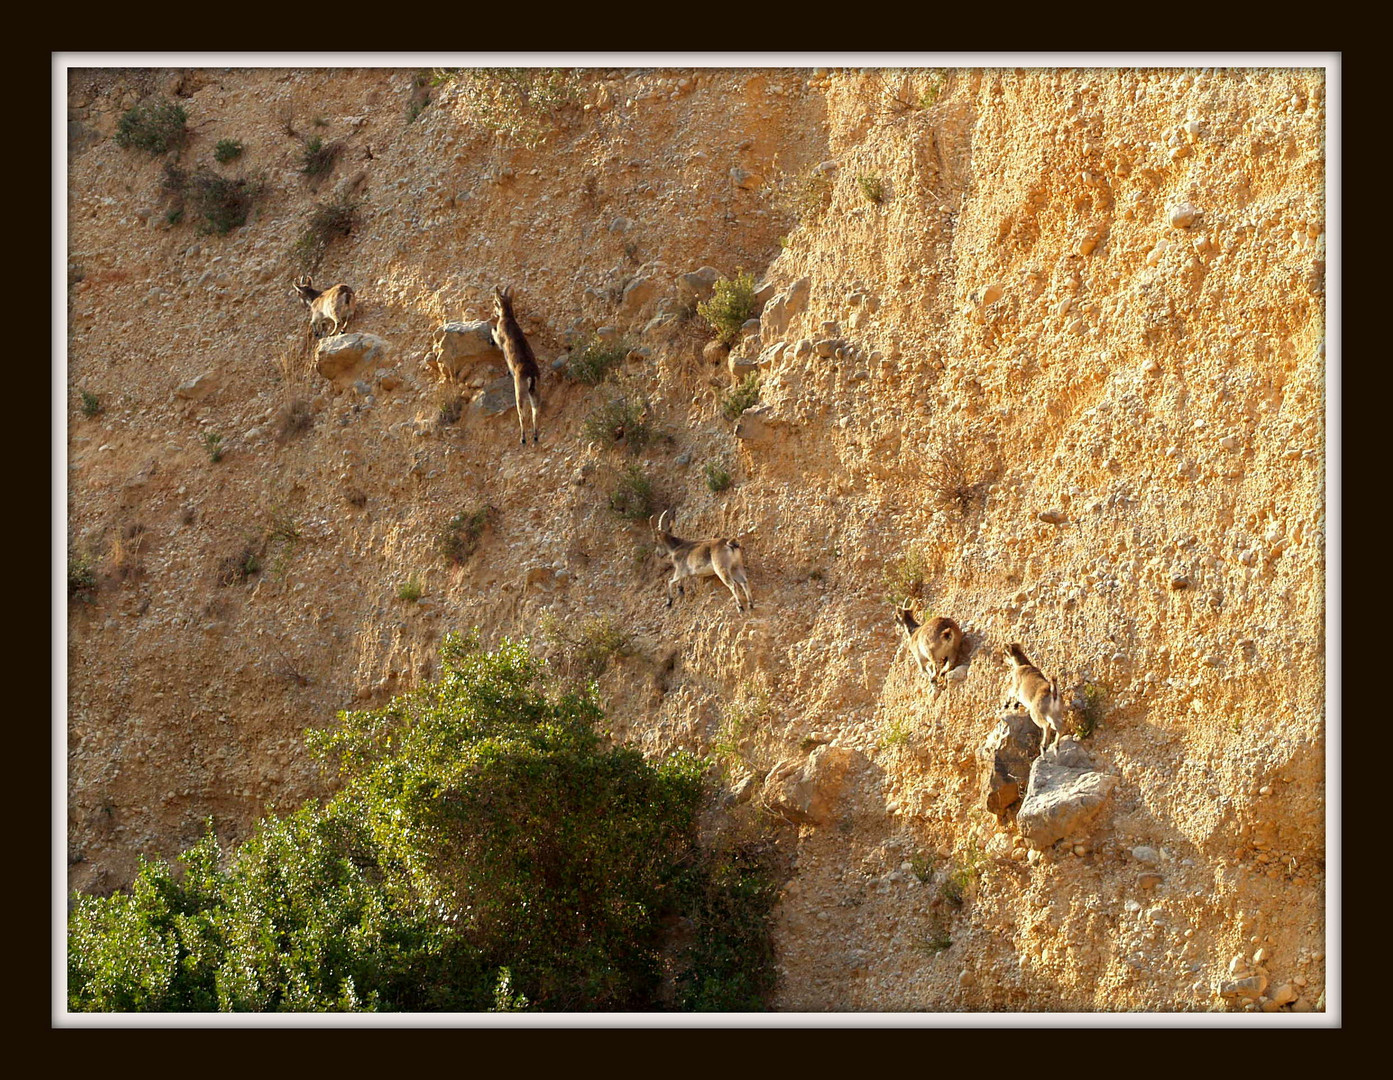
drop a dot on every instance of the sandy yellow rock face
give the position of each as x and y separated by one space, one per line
1072 354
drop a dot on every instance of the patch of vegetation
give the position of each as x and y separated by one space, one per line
1090 716
356 496
318 157
460 537
591 362
872 187
581 649
906 577
238 567
82 578
227 150
411 590
717 478
212 443
952 478
922 866
897 733
741 396
283 536
221 203
91 404
296 417
729 965
937 939
957 884
731 305
632 496
804 198
126 546
748 709
620 419
329 221
156 126
525 106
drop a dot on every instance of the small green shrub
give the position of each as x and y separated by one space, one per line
212 443
872 187
897 733
82 578
593 360
283 536
411 590
922 865
730 306
459 538
91 404
906 577
318 157
329 221
632 497
1090 716
155 126
740 397
717 478
620 419
581 649
227 150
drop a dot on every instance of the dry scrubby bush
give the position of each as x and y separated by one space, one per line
219 203
591 361
632 497
619 419
458 539
318 157
327 223
525 106
906 577
954 477
155 126
295 418
581 649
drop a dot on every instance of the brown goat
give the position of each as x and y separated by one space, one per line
938 641
521 362
1028 685
334 305
702 558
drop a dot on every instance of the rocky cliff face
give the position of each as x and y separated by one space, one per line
1044 347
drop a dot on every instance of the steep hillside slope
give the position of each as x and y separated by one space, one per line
1098 291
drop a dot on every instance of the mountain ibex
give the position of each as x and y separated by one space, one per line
1040 696
938 641
334 305
702 558
521 362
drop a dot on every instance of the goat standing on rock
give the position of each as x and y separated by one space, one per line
1040 696
702 558
518 354
334 305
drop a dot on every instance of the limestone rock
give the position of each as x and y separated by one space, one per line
497 397
1007 753
758 424
637 294
808 795
787 303
1064 795
459 347
198 388
699 284
342 359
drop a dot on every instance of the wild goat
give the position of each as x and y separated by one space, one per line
1040 696
702 558
938 640
334 305
518 353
